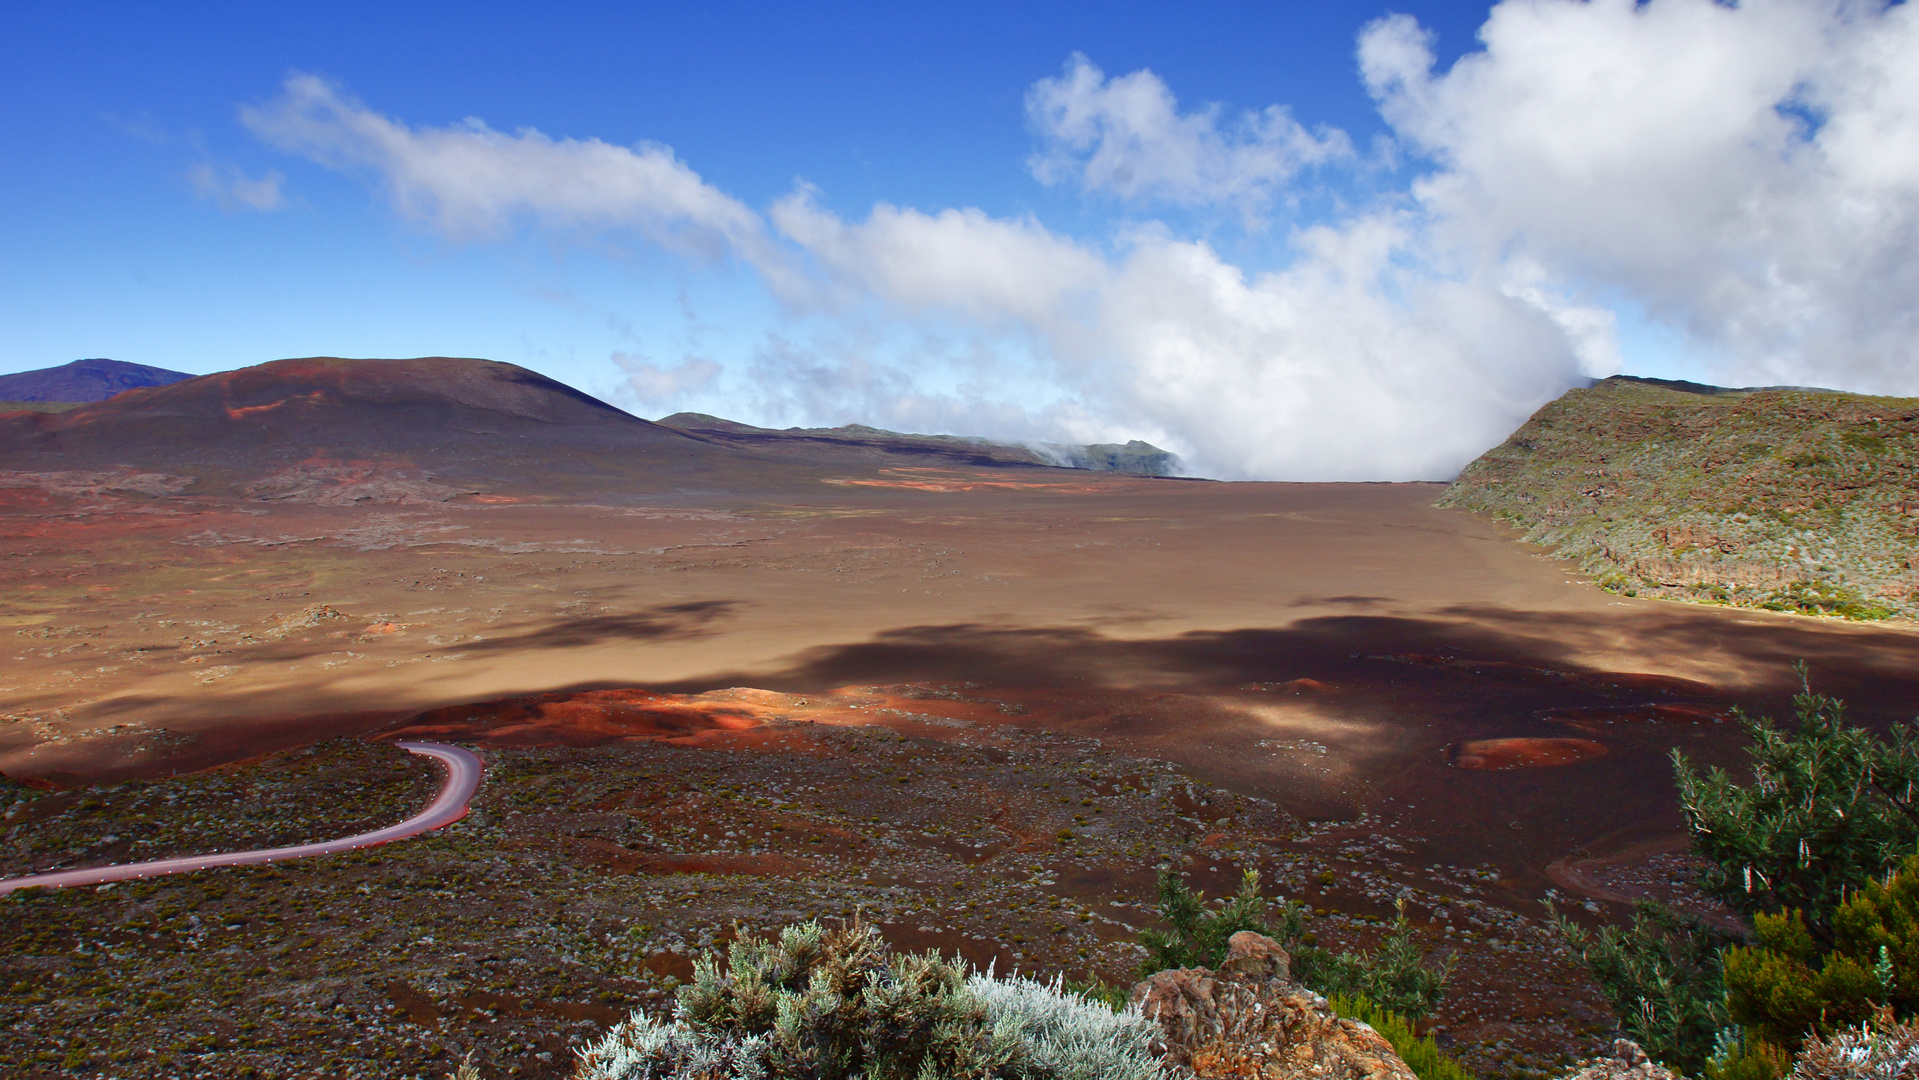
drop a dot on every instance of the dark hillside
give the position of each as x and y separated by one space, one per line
1783 498
857 442
84 380
325 429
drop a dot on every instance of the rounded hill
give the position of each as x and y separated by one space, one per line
464 424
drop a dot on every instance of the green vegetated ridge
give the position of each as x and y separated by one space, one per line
1788 499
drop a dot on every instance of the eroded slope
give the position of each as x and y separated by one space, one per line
1795 500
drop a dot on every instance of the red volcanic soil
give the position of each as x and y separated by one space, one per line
1638 719
1522 753
592 718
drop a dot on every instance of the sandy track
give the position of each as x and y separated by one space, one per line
463 770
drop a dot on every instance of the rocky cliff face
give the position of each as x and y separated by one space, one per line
1249 1020
1788 499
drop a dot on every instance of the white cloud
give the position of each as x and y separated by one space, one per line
1127 135
664 387
1359 362
234 190
1346 366
468 180
1749 174
958 261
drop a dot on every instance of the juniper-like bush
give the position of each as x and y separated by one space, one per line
1420 1053
1394 976
1197 936
1663 977
1830 807
1798 854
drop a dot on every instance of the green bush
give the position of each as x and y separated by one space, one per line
1826 598
1878 926
1662 975
1739 1057
836 1004
1785 987
1394 975
1198 936
1421 1055
1788 986
1798 853
1829 808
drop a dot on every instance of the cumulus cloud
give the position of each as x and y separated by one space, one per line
1749 176
1126 135
1345 366
962 261
468 180
1355 363
1748 173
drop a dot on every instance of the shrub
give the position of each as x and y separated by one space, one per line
1198 936
1830 807
1785 987
825 1005
1878 926
1797 852
1663 977
1826 598
1879 1049
1422 1056
1394 975
1739 1057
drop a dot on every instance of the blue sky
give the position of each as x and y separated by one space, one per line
1219 227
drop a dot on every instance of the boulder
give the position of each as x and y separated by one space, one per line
1249 1020
1255 958
1627 1062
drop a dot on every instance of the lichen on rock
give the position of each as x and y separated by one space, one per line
1248 1019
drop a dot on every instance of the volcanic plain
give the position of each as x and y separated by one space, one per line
976 702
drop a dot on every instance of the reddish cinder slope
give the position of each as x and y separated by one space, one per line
460 424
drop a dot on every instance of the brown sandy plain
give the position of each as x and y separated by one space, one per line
878 686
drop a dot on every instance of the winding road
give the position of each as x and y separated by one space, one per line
463 769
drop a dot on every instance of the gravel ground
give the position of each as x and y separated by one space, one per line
586 880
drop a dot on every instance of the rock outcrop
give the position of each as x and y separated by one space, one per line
1248 1019
1627 1062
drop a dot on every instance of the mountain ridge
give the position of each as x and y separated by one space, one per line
84 381
1790 499
1134 458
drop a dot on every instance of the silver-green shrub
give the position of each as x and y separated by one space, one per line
823 1004
1880 1049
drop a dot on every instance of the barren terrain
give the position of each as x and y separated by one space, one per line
978 705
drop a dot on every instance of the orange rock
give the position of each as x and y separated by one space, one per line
1519 753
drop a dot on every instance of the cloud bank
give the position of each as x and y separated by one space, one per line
1748 176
